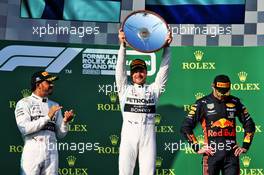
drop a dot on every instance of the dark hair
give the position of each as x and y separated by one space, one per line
34 81
33 86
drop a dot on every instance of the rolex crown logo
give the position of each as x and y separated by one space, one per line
246 161
114 139
242 76
26 92
200 139
159 162
113 97
199 95
157 119
198 55
71 160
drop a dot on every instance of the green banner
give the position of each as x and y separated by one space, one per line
87 85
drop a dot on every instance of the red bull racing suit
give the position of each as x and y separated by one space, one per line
218 120
138 106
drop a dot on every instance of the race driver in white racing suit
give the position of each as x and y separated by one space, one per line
40 121
138 105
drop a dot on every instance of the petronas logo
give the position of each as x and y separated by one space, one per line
199 95
157 119
198 55
114 139
246 161
242 76
200 139
159 161
71 160
26 92
113 97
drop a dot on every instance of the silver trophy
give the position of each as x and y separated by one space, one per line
145 31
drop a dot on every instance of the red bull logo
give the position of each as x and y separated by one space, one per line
222 123
222 133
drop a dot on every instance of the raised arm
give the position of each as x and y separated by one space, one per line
121 73
162 75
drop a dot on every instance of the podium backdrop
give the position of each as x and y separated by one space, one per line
87 85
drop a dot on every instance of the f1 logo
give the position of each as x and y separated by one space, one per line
54 58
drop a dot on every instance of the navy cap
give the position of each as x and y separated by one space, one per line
222 83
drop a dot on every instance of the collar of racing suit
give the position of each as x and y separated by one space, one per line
138 85
43 99
217 100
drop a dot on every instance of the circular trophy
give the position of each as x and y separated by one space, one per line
145 31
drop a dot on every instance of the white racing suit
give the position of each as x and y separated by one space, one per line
40 155
138 106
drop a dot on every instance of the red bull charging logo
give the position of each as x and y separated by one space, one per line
222 123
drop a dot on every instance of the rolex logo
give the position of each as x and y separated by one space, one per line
157 119
245 86
159 162
242 76
200 139
71 160
199 95
246 161
113 97
26 92
114 139
198 64
198 55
